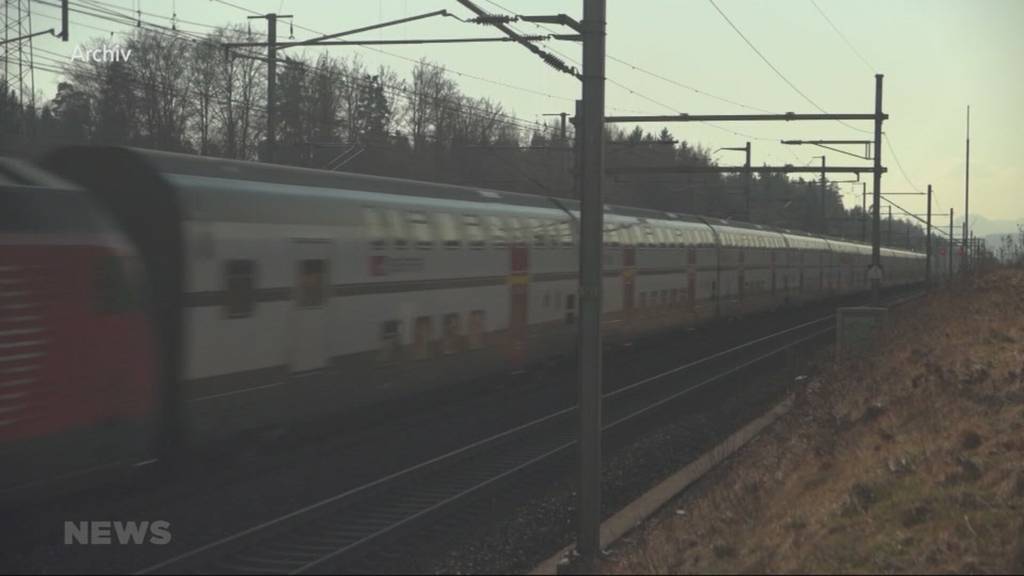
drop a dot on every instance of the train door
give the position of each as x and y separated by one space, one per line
309 321
518 302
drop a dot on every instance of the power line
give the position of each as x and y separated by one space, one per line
856 52
430 64
687 87
896 157
97 3
665 79
643 70
395 90
672 108
776 70
843 36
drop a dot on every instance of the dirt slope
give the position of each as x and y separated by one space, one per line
913 462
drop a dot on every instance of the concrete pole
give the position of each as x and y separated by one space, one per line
876 254
864 212
967 190
588 542
949 277
746 183
928 242
271 85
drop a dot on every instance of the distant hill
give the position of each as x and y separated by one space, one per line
985 227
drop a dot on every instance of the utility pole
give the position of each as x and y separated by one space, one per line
928 242
588 542
888 230
747 175
967 187
864 212
824 212
271 19
747 182
563 115
971 253
949 277
564 142
875 274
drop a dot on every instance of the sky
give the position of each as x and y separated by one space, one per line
937 57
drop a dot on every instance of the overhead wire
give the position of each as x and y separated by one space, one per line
776 70
843 36
399 91
664 79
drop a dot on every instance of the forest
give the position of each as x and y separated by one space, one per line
336 113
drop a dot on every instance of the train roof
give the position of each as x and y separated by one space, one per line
290 180
191 165
15 172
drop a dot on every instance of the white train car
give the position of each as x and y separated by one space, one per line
285 292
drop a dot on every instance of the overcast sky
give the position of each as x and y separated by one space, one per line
937 56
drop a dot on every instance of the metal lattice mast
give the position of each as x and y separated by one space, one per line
17 55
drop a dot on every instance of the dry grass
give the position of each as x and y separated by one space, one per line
913 462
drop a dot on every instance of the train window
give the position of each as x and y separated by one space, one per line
554 231
663 235
546 300
312 279
536 232
390 341
626 235
550 232
419 228
565 229
422 337
475 331
474 231
570 308
496 230
239 279
374 227
396 228
448 230
649 239
611 235
516 233
664 298
452 341
678 238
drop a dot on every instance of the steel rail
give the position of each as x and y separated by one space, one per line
449 492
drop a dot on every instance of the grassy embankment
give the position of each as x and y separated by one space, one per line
910 461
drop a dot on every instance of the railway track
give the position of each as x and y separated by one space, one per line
341 529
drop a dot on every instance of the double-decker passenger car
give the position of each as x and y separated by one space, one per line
283 292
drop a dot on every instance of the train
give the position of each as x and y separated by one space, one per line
265 295
77 350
